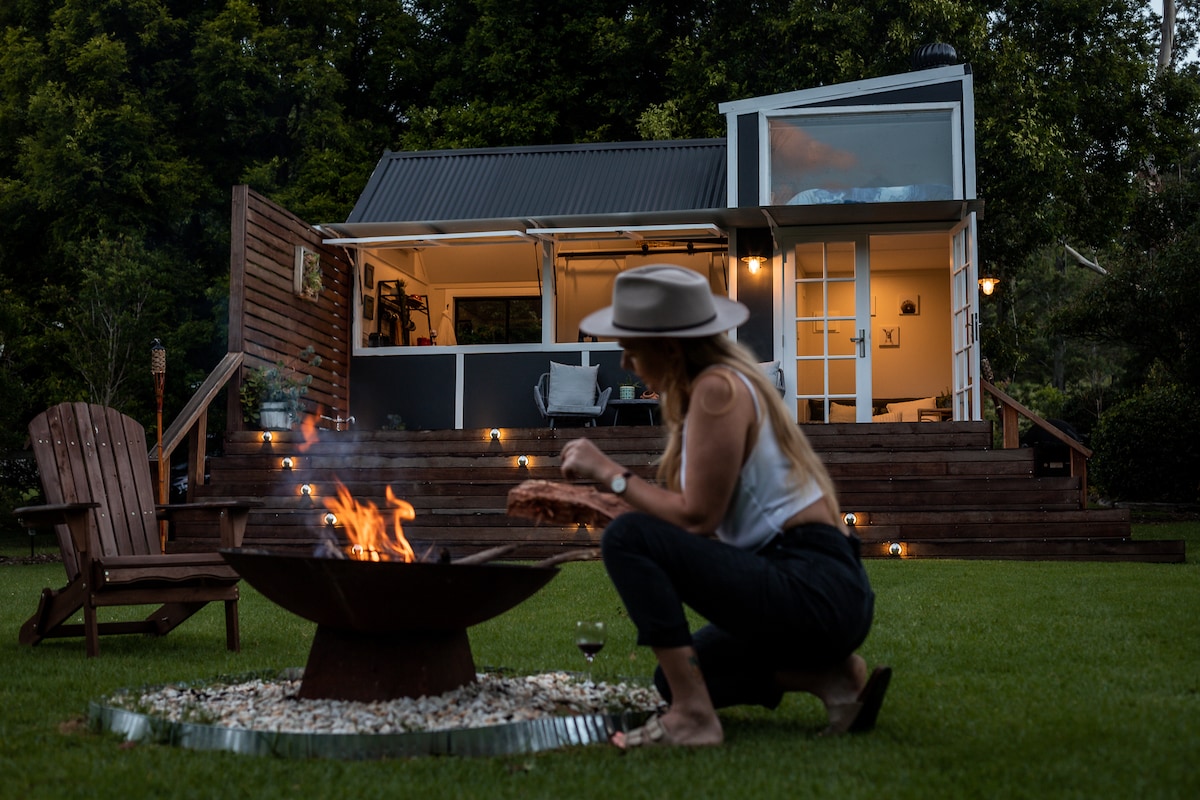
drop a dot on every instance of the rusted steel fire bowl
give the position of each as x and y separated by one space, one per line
387 629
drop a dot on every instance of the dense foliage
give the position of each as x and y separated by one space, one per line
124 123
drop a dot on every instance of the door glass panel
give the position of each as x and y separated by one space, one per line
824 302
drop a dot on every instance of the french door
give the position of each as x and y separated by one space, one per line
827 331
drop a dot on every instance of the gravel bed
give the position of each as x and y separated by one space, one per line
272 705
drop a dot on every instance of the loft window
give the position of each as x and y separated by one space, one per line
497 320
859 155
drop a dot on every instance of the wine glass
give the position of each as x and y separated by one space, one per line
589 638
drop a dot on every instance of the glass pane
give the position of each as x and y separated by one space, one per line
841 377
862 157
810 260
810 377
497 320
841 260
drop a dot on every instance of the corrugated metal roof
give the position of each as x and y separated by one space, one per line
553 180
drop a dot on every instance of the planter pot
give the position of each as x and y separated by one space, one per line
274 417
626 392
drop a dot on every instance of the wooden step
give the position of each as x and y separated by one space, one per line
937 489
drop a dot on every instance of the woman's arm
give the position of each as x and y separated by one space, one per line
720 427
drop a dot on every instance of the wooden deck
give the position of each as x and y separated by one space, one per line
936 490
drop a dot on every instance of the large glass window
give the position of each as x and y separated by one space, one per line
864 156
497 320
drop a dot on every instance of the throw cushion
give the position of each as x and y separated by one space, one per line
841 413
572 389
908 410
891 416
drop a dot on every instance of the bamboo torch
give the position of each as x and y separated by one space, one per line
158 368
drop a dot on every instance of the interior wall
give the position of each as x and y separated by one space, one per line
916 362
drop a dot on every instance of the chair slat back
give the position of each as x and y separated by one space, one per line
89 453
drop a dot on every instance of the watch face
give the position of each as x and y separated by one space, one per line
617 484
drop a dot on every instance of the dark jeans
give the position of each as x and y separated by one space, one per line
801 602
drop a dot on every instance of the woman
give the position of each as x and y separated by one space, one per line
781 584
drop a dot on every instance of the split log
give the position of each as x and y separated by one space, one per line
560 503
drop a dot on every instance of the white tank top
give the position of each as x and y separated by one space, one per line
764 498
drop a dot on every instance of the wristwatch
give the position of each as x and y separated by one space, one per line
620 482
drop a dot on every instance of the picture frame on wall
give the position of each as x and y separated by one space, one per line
368 310
369 276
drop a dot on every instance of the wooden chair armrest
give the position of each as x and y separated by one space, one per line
51 514
232 516
73 515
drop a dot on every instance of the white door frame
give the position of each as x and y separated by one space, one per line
854 328
964 320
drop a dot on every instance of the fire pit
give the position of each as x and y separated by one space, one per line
387 629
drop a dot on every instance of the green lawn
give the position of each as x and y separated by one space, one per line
1013 679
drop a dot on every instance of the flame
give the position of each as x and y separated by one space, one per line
369 537
308 429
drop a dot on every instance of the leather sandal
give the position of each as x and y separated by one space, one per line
860 715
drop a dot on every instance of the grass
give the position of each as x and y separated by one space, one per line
1013 680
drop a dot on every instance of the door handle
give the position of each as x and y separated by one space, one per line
861 340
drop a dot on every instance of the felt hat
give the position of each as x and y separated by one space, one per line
664 300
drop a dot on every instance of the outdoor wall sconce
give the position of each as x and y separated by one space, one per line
266 436
330 519
988 284
896 549
286 463
495 434
754 263
850 518
306 489
522 461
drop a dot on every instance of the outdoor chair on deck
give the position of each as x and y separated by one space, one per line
570 392
95 472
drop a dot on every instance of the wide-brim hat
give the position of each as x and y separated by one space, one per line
664 300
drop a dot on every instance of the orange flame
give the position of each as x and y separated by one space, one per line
369 537
308 429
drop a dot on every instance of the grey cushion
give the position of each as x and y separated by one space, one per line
572 389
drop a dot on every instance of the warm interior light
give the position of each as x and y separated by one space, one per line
754 263
266 437
522 461
987 284
495 433
286 463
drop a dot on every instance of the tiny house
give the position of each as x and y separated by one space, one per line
844 216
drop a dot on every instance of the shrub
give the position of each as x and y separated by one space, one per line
1148 447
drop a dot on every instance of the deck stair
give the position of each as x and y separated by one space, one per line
917 490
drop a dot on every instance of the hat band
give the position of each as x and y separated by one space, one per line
657 328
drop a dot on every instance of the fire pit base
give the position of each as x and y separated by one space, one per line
349 665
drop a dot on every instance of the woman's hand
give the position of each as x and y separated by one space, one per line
582 459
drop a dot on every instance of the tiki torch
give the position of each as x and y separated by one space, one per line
158 368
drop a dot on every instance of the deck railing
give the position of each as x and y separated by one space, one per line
1010 410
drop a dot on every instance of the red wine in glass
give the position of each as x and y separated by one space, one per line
589 638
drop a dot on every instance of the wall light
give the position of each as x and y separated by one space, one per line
522 461
988 284
286 463
331 519
306 489
754 263
495 434
896 549
850 518
266 436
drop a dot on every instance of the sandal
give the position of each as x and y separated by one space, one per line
653 733
860 716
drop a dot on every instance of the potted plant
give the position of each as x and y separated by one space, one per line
271 395
627 389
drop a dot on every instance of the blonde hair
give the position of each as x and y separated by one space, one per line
675 398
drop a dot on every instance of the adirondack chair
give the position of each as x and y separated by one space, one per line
95 472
